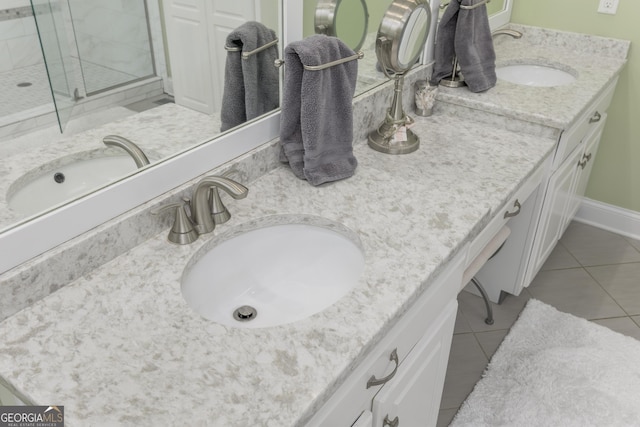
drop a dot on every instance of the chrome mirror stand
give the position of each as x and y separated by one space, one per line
393 135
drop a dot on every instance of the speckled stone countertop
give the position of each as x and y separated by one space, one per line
594 60
121 344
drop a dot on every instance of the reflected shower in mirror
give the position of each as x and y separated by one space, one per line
114 68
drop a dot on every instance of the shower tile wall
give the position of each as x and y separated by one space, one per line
112 34
21 63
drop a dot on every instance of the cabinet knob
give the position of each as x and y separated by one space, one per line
595 118
373 381
391 423
516 205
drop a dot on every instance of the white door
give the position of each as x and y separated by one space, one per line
224 16
196 33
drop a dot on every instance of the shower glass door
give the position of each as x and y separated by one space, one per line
114 46
56 49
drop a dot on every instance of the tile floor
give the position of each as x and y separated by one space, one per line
592 274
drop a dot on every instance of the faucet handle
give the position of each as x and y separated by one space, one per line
182 231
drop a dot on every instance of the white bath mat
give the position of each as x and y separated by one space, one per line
555 369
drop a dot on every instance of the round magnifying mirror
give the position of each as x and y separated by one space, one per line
346 19
401 37
402 34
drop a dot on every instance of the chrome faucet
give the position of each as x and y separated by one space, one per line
134 151
513 33
201 202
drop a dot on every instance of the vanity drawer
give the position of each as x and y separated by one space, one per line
575 134
502 217
353 397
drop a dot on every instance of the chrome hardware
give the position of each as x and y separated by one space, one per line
516 205
132 149
373 381
585 159
358 55
506 31
595 118
182 231
200 205
582 163
391 423
443 5
247 55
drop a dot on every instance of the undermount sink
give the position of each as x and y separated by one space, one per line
273 274
534 75
64 180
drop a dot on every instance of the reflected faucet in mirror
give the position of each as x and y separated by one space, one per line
132 149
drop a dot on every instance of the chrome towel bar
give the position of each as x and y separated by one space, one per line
443 5
358 55
246 55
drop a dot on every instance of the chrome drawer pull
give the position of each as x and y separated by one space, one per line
595 118
391 423
516 205
373 381
582 163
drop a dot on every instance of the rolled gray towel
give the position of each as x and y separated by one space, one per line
316 130
251 86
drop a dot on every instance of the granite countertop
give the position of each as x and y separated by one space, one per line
595 61
121 344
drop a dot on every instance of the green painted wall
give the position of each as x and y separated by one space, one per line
616 175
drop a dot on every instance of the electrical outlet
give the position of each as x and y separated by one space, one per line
608 6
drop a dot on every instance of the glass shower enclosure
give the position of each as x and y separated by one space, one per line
91 46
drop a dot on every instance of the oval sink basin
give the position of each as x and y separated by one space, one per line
55 184
534 75
272 275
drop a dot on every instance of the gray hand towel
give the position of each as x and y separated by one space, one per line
474 47
445 51
316 129
250 85
465 34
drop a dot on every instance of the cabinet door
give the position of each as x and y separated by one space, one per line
412 398
585 165
553 218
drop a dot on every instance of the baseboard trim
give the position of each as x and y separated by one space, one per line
609 217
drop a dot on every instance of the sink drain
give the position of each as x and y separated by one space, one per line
245 313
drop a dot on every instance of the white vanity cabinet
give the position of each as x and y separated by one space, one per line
402 377
572 166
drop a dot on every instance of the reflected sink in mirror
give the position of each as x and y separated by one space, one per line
274 274
64 180
535 75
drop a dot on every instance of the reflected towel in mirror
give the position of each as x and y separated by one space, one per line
316 129
251 86
465 33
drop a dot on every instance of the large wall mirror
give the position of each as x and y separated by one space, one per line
24 238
